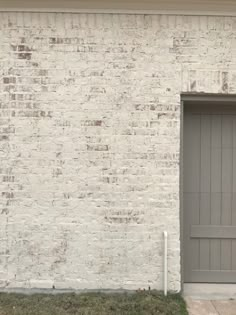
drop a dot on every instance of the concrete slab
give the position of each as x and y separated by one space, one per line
225 307
210 291
200 307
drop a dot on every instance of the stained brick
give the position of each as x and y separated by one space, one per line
89 142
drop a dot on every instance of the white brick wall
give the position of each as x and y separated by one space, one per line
89 142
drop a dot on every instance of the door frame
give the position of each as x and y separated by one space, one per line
185 100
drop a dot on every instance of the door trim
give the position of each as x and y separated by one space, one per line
208 97
185 100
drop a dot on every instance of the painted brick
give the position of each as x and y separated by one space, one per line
89 142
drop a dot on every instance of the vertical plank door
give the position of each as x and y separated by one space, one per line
209 195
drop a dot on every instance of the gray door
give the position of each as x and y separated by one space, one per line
209 193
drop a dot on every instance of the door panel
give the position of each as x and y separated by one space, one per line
209 196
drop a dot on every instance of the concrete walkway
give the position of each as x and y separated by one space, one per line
210 307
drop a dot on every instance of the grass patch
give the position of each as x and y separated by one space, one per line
142 303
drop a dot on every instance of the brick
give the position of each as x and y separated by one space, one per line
89 142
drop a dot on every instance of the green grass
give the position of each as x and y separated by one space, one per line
141 303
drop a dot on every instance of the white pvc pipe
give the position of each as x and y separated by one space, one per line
165 234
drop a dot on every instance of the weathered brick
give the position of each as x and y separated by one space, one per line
89 142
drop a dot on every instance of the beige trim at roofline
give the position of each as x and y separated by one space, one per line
188 7
118 11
